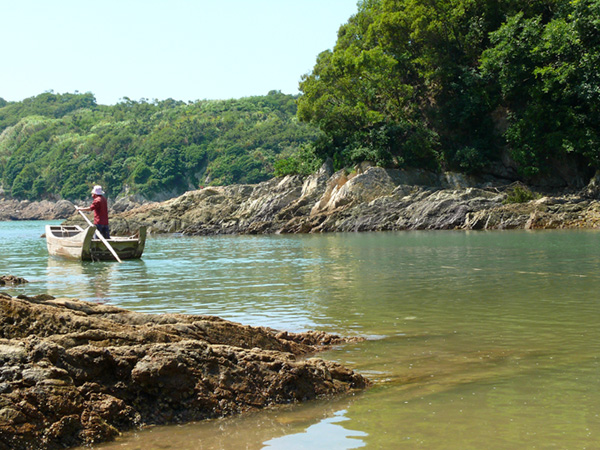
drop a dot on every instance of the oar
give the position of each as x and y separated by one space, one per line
101 237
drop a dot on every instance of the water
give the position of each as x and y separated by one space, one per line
476 340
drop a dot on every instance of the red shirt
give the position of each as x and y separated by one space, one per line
100 208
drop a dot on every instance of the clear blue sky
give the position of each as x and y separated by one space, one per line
156 49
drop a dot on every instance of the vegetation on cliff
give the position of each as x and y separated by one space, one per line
452 84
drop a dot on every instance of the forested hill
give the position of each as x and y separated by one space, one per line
59 145
502 86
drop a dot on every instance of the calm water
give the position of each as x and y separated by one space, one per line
476 340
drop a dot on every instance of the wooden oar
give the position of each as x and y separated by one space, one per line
108 246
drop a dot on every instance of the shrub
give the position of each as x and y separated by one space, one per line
520 194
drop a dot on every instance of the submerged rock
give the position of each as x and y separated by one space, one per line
11 280
75 373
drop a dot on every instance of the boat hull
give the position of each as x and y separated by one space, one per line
74 242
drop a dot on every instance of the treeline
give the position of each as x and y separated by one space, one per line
59 145
462 85
499 87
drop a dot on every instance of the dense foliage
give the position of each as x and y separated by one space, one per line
59 145
452 84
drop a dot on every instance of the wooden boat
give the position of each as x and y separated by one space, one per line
74 242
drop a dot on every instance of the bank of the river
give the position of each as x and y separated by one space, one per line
369 199
373 199
12 209
78 373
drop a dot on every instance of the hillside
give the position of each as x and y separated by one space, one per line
506 88
501 89
56 146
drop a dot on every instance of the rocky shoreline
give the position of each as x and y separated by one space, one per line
372 199
77 373
368 199
11 209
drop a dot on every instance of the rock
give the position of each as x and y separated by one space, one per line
592 190
362 188
125 204
11 209
369 199
77 373
62 209
11 280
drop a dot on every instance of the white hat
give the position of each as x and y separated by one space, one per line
97 190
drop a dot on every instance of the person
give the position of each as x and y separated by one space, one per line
100 207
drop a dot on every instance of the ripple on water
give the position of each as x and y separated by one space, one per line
485 336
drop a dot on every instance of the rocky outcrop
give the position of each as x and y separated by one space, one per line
11 209
75 373
371 199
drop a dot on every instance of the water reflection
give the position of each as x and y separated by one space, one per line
326 434
318 424
95 281
90 278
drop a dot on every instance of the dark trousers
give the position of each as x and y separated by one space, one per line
104 231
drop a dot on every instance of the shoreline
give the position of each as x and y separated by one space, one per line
373 199
370 199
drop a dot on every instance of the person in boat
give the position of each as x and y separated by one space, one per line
100 207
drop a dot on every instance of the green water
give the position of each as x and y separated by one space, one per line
476 340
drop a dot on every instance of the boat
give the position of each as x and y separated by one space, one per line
74 242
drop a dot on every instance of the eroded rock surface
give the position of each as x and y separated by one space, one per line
74 372
371 199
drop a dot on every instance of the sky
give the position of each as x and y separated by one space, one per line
157 49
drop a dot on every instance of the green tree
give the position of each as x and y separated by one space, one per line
545 68
426 84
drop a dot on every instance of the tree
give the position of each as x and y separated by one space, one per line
425 83
152 147
545 68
